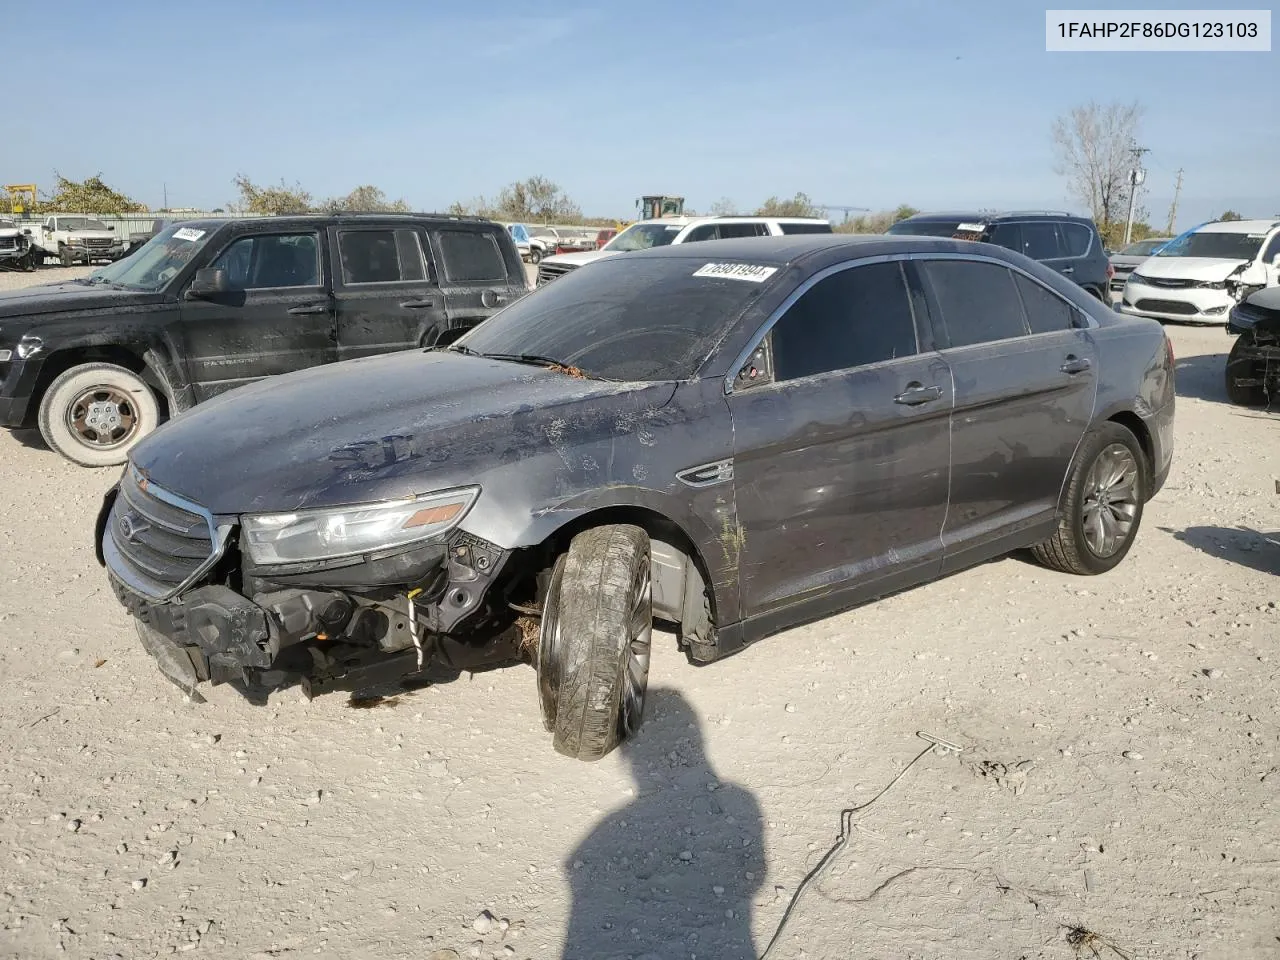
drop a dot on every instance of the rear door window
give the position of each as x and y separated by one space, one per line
1007 235
852 318
978 301
1076 239
729 231
471 257
1046 311
790 228
1040 240
380 256
705 232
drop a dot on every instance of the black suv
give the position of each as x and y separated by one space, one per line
1071 245
208 305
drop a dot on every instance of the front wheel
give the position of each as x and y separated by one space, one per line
595 641
1246 368
1102 510
535 256
65 257
95 413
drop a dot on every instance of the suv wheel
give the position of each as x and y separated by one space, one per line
1106 492
1244 367
595 640
95 413
535 256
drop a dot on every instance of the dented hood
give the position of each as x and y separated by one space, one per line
378 428
1189 268
67 296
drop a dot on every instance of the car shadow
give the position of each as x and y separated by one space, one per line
30 439
1240 545
674 872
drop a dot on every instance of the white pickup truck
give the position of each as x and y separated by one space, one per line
75 238
15 246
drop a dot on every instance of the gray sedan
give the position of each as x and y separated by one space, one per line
733 437
1131 257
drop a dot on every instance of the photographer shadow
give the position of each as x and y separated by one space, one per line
674 872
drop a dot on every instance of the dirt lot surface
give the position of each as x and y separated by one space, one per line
1119 773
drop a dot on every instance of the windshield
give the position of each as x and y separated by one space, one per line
621 319
1143 248
157 261
1215 246
80 223
8 224
925 228
642 236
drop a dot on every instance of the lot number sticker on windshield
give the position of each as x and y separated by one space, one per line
187 233
750 272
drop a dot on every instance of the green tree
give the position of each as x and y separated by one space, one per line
271 200
88 196
1230 215
798 206
366 199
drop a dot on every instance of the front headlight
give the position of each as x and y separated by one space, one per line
1212 284
276 538
29 346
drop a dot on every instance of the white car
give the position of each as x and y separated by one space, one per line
662 231
1199 276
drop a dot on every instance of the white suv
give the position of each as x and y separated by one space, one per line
1199 276
662 231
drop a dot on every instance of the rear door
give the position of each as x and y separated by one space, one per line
841 449
277 317
477 274
1025 372
387 297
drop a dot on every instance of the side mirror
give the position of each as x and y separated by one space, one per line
112 229
208 282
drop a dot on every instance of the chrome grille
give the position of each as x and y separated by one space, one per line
8 243
155 542
1168 283
549 271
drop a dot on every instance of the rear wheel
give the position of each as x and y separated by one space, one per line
595 641
95 413
1245 368
535 256
1103 506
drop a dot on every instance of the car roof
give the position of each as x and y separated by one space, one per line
213 223
779 251
1239 226
684 221
993 215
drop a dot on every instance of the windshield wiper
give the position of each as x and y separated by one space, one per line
460 348
534 360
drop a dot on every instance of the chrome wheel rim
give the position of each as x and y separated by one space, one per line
102 417
1111 501
636 652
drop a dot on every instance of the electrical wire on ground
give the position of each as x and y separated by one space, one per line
846 832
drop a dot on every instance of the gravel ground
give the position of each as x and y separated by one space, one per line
1118 774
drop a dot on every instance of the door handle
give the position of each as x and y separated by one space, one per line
1074 364
417 304
309 308
1068 269
918 393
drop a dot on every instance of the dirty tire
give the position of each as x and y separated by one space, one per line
550 654
1111 457
1238 366
535 257
65 257
604 613
134 401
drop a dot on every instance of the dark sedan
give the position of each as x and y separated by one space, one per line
735 438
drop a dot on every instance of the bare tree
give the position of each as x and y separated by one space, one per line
724 207
1093 144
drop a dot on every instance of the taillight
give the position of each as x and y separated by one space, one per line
1168 349
1111 271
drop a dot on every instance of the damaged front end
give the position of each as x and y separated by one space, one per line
335 599
1253 365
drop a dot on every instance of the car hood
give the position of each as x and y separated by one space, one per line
378 428
65 296
1190 268
579 259
1119 260
91 234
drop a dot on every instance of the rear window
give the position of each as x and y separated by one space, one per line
925 228
624 318
790 228
1076 239
471 257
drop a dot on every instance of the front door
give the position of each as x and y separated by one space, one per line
1025 374
277 317
387 297
841 450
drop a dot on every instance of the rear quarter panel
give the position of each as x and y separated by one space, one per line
1135 376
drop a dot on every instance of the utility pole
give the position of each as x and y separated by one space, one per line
166 195
1136 176
1173 207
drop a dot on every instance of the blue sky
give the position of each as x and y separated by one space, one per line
936 104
